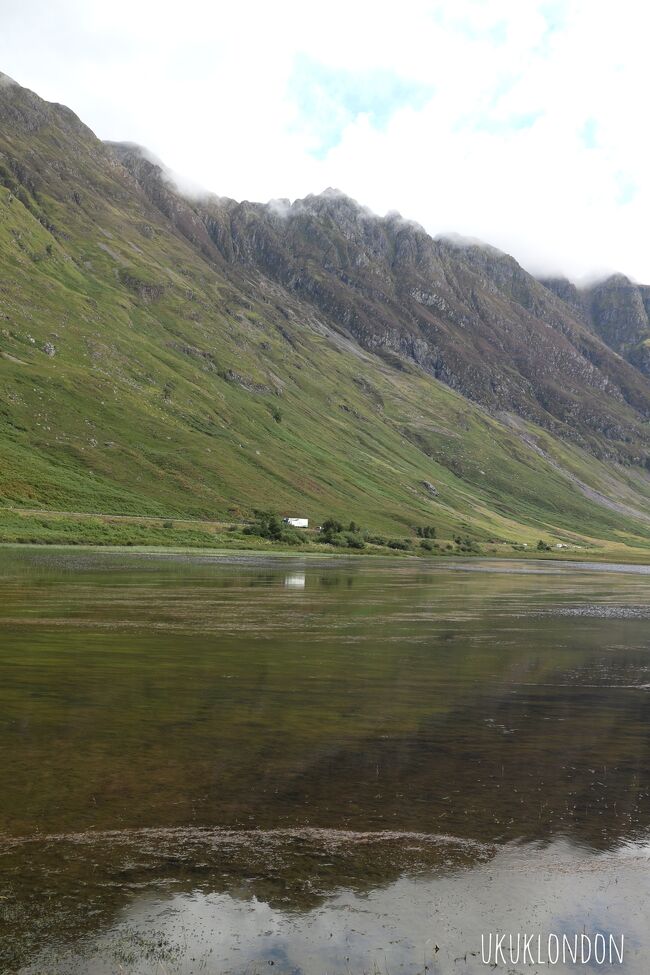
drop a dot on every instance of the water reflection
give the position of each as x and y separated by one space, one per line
295 581
428 917
398 736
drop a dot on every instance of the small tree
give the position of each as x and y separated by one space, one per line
267 525
329 529
355 540
273 525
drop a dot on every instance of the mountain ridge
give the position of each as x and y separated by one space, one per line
236 328
317 229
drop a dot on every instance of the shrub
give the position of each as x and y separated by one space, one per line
331 527
467 545
344 539
402 544
267 525
354 540
291 537
426 544
338 539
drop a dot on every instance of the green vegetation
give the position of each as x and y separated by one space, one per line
267 532
333 533
57 530
466 545
139 380
269 525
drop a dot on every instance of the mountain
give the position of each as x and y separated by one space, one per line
467 315
616 310
169 356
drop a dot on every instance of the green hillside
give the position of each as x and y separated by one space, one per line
142 376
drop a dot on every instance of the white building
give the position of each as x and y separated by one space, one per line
297 522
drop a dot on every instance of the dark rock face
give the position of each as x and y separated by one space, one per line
567 292
151 178
640 357
24 111
617 310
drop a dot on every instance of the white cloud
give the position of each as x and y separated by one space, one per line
531 135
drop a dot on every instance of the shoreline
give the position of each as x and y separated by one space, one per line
598 560
24 527
399 540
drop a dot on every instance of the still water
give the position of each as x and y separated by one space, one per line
219 764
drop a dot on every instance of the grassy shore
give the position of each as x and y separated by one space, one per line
61 528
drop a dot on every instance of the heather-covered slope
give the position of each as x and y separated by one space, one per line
202 359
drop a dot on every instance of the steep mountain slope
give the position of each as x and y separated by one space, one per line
204 358
467 315
617 310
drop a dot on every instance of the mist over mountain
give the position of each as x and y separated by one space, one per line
467 314
617 310
296 353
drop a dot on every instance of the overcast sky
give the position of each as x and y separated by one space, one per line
516 121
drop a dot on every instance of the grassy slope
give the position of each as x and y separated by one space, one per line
206 400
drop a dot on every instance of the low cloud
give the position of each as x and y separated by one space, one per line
518 124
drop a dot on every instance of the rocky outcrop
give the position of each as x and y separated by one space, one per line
640 357
617 313
149 174
617 310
